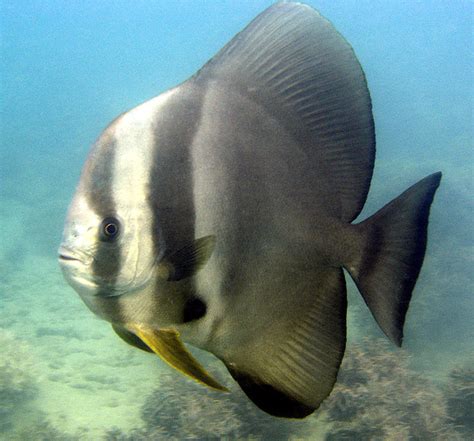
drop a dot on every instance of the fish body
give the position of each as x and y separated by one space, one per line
220 214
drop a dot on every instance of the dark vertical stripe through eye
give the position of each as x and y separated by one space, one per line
100 194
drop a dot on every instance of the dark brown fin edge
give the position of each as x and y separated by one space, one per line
269 399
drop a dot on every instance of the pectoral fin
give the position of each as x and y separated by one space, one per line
188 260
167 344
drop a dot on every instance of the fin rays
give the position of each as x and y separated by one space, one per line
301 364
296 66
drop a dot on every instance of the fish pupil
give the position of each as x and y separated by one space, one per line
194 309
109 229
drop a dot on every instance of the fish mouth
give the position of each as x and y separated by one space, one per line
67 256
74 266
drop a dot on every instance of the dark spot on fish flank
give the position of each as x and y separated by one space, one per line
194 309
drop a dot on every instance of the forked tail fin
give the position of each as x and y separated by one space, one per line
395 244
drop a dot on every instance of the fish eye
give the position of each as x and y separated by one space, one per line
109 229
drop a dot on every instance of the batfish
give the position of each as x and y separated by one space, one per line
220 214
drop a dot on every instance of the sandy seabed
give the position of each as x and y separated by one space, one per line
87 377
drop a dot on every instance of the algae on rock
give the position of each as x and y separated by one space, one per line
379 397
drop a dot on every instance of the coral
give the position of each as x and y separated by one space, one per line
181 409
17 376
460 399
378 397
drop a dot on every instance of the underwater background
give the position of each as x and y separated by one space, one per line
68 68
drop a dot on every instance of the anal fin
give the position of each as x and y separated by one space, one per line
292 368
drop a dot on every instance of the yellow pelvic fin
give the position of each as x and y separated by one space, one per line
167 344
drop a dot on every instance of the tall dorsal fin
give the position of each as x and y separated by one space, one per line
295 64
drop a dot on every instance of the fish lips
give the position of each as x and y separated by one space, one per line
74 266
67 256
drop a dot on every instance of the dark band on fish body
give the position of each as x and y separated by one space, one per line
100 193
170 192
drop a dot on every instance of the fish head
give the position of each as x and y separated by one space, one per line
102 255
106 250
